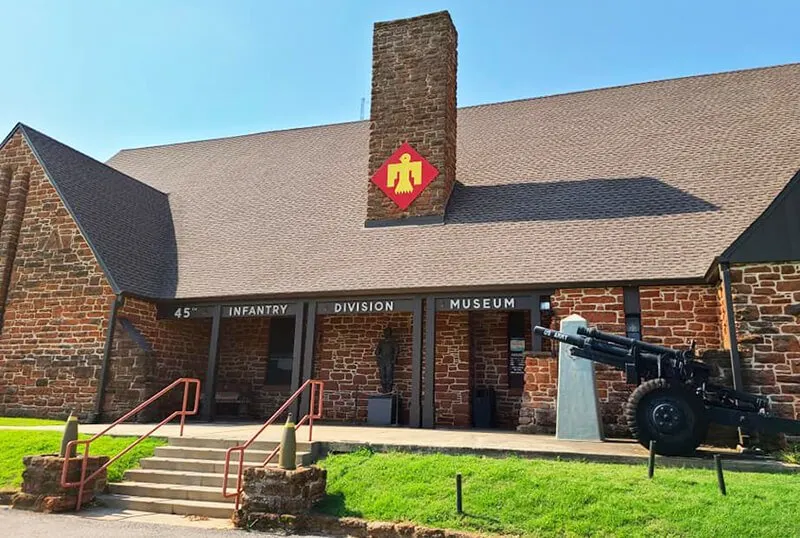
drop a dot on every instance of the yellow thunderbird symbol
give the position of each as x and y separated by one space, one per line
400 175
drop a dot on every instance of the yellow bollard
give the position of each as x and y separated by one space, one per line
288 452
70 434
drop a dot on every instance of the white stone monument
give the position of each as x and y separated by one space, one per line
578 412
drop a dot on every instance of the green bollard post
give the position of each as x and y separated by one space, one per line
288 451
70 434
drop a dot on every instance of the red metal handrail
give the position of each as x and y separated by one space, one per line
314 413
183 414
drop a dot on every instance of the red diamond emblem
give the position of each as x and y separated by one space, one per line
404 175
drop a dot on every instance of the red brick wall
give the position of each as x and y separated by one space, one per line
489 361
603 308
766 303
179 349
58 301
538 409
345 360
131 373
673 316
244 354
452 385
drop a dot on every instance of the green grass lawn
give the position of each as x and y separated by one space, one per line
22 421
14 444
559 498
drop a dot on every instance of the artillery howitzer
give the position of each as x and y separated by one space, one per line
674 402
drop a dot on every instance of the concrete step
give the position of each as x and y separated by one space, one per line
221 510
188 478
182 464
169 491
197 453
207 466
204 442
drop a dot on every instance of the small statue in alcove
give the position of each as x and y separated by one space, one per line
386 353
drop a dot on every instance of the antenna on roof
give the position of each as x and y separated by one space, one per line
363 102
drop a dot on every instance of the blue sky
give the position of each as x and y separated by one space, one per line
105 75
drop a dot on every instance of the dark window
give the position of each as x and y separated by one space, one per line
633 313
281 351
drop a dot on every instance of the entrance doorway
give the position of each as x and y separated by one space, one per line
281 351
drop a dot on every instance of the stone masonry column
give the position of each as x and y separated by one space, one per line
414 100
9 233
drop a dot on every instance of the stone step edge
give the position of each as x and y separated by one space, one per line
261 442
162 485
185 506
234 463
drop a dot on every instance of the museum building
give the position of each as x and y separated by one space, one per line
668 211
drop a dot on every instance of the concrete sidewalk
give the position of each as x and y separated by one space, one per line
344 438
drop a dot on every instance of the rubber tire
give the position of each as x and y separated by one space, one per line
638 410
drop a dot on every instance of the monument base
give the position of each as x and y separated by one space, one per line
383 409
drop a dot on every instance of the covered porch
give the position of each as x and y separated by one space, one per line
451 349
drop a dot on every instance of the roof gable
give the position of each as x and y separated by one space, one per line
775 235
127 223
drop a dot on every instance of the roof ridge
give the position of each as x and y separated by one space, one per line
231 137
631 84
25 127
481 105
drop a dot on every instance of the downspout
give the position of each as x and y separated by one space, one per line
119 300
736 361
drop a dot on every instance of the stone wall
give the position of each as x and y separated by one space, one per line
453 380
489 361
670 315
57 298
345 360
603 308
178 348
243 360
674 316
766 303
538 406
131 371
414 101
41 483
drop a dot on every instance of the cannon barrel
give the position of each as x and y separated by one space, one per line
608 351
630 342
571 339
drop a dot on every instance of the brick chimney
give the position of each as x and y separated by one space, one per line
413 100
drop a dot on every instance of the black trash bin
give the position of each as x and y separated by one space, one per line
483 408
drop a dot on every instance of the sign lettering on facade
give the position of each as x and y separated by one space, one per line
495 302
365 306
172 311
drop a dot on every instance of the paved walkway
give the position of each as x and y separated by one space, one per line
344 438
110 522
394 436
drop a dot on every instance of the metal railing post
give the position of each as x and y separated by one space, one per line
82 481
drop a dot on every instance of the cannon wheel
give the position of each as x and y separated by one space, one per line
670 415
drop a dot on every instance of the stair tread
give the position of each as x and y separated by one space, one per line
163 500
170 472
159 485
177 448
201 460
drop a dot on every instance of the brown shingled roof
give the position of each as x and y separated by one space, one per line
647 182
